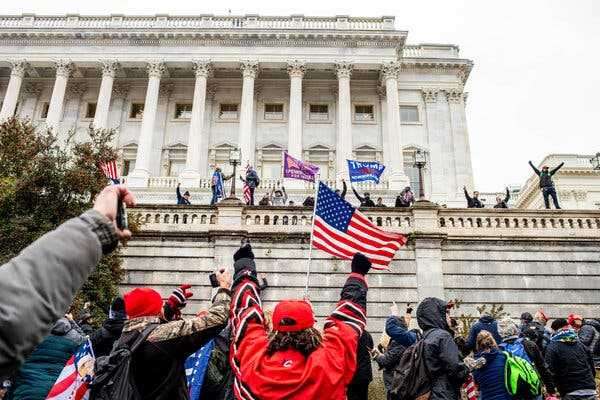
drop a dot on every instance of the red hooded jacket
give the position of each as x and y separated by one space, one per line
324 374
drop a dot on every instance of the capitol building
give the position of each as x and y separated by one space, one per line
182 91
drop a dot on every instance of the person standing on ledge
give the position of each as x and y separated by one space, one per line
546 183
364 201
217 185
185 199
502 203
473 202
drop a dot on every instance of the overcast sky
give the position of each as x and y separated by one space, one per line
535 87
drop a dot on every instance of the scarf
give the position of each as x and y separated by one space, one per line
565 335
217 181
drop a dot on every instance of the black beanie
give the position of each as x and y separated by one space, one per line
360 263
244 257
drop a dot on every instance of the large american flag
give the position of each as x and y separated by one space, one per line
109 169
341 230
73 381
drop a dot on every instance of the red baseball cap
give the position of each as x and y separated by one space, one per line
293 316
142 302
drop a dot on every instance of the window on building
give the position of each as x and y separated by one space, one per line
137 111
183 111
90 110
364 112
45 108
319 156
176 167
319 112
274 112
366 154
228 111
409 114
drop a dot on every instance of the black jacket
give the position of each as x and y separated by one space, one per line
571 365
546 177
364 371
589 335
472 202
441 353
536 357
504 203
388 362
364 201
104 337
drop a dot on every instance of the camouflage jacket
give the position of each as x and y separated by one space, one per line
158 364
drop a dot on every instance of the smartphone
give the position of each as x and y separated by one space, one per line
213 280
121 215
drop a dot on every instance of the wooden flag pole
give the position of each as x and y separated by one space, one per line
312 229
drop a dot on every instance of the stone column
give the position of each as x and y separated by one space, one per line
197 146
246 141
296 71
344 119
55 110
30 93
74 93
441 157
139 177
117 111
109 67
11 96
396 175
460 135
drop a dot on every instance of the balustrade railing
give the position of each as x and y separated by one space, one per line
195 22
418 219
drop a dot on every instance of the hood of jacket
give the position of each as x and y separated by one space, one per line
489 355
431 314
592 322
566 335
114 326
486 319
61 327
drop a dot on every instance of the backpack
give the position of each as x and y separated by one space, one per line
516 348
411 380
113 378
520 378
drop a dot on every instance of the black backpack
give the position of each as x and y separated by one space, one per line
113 378
411 379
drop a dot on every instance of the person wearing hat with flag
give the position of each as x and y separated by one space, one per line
295 360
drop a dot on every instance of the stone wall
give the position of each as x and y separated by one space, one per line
522 259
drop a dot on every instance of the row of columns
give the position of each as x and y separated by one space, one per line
197 139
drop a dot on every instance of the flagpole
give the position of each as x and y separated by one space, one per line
312 229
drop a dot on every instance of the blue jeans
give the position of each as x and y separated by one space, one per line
548 192
215 198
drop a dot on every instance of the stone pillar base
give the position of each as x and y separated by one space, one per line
189 179
138 179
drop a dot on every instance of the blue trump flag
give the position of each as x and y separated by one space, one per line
195 369
365 171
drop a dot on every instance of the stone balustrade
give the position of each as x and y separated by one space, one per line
423 218
75 21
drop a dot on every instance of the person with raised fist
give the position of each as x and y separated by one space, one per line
295 360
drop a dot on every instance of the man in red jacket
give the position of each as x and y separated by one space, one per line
295 361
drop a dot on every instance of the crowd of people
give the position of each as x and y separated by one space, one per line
277 196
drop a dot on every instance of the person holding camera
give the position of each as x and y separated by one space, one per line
158 363
39 284
295 360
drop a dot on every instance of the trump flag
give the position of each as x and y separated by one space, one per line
73 381
365 171
298 169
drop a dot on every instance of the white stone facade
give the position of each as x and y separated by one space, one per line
577 184
183 91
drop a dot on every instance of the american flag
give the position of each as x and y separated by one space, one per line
341 230
470 388
73 381
109 169
246 188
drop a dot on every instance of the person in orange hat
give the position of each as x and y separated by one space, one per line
158 364
295 360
